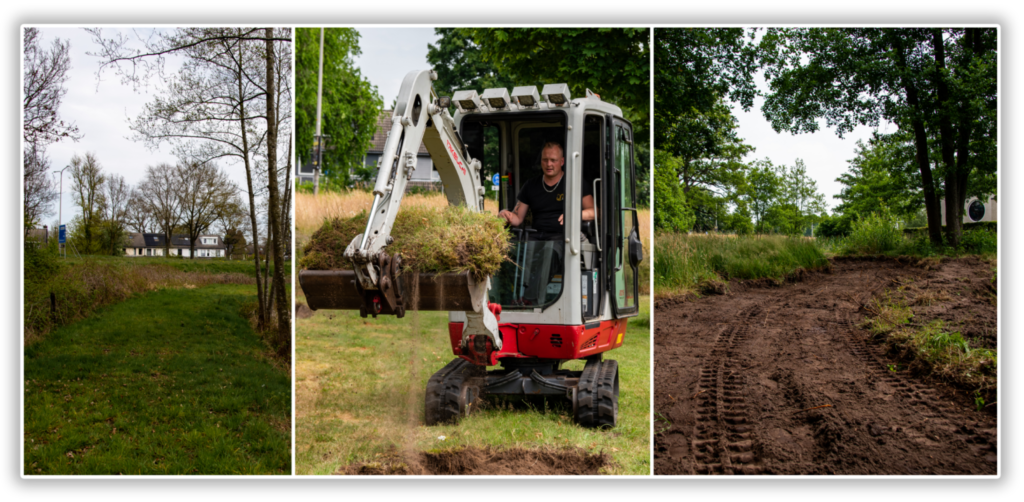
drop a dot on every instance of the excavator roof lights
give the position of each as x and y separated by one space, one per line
467 101
556 94
526 96
497 98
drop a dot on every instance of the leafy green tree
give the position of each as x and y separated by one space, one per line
350 104
938 84
671 213
694 70
87 183
460 64
612 62
883 172
762 191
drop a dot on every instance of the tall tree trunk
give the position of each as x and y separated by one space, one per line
283 319
954 212
931 202
261 315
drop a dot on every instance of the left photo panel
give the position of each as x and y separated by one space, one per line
157 268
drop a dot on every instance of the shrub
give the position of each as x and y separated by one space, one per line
877 233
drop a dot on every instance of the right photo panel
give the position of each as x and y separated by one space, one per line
825 257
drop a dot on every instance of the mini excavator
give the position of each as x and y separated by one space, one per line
554 300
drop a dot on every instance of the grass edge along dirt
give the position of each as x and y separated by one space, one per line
170 382
360 385
931 349
687 264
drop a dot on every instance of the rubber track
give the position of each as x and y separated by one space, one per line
443 388
597 396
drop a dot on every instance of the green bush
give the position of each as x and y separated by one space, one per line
834 226
877 233
979 240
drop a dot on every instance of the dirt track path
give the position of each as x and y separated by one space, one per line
742 380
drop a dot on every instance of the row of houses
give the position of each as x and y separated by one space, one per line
207 246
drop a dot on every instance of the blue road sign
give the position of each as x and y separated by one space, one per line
496 179
62 234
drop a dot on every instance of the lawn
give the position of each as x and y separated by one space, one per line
360 387
173 381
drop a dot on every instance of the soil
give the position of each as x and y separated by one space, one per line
781 379
488 461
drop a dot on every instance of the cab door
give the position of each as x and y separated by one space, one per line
624 235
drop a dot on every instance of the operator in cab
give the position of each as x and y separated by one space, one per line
545 196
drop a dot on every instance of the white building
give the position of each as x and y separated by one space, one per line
207 246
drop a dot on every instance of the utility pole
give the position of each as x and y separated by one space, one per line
317 140
60 203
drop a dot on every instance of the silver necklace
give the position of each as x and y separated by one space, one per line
545 185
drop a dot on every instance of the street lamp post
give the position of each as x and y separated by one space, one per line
60 204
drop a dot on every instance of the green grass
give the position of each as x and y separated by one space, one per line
360 389
876 236
684 263
169 382
932 349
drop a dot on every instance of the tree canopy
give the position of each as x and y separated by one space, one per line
350 103
936 84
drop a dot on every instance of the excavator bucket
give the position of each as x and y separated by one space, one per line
339 290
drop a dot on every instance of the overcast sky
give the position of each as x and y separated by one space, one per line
101 110
390 53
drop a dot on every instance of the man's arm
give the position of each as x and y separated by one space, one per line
588 210
516 216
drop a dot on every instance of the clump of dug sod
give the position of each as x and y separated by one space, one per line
450 239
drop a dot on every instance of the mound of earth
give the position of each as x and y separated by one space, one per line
487 461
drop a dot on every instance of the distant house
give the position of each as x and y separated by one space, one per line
38 235
975 210
207 246
424 176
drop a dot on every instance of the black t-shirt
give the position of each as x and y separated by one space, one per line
547 203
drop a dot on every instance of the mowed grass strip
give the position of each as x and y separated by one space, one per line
169 382
360 387
685 263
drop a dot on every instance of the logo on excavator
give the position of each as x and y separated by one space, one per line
451 151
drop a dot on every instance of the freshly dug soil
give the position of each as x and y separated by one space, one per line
780 379
488 461
452 239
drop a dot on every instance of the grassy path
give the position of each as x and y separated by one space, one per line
360 388
170 382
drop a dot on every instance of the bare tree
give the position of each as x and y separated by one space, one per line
116 193
234 224
224 102
40 187
137 212
87 189
160 192
204 192
43 89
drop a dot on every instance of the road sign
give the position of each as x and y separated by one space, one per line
62 234
496 179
